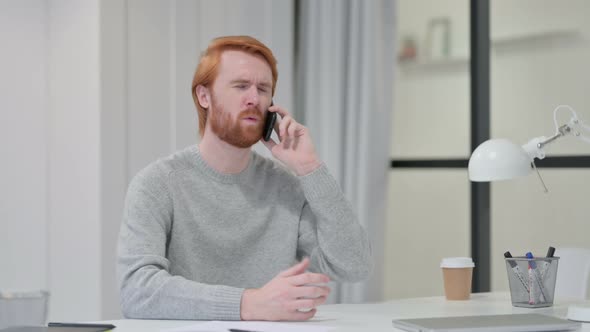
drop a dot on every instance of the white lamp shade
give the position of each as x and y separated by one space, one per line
498 159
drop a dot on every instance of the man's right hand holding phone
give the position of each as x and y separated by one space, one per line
287 296
295 148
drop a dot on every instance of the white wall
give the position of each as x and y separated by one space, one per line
23 145
74 166
91 92
50 236
113 149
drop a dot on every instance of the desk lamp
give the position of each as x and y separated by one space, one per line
500 159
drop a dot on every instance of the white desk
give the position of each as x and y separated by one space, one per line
376 317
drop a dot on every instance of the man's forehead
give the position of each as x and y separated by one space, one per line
239 64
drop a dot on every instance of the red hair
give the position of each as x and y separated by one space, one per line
208 67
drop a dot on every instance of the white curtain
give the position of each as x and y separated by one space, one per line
345 57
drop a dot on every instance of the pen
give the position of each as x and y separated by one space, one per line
240 330
534 274
516 270
106 327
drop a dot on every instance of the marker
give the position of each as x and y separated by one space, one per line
516 271
531 286
534 274
550 254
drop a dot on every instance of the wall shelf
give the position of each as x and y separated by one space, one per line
498 41
534 36
436 63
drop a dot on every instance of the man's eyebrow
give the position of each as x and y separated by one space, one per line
239 80
242 80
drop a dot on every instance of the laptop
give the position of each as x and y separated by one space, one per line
492 323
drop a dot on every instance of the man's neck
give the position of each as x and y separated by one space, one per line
221 156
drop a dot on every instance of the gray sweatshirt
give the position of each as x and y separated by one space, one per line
192 239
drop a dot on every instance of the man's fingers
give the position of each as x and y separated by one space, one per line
285 122
320 300
306 304
310 291
279 125
296 269
299 316
281 111
311 303
308 278
286 126
291 130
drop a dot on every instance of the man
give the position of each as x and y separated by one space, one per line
215 231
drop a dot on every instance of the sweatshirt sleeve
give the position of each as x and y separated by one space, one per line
329 232
147 289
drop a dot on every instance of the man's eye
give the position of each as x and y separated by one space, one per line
263 90
241 86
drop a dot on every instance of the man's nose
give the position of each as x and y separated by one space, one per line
252 97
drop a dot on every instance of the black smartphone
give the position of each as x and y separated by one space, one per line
269 124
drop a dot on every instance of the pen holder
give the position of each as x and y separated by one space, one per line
23 308
532 281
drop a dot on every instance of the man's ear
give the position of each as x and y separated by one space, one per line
203 96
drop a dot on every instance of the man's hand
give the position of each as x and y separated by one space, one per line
296 149
285 295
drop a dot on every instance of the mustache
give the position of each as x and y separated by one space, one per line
250 112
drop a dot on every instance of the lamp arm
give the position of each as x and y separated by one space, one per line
575 126
561 131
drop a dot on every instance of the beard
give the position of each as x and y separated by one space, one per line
234 131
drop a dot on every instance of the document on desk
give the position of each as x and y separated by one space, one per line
225 326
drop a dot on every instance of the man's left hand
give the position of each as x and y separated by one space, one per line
295 149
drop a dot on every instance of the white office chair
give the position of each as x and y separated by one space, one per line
573 273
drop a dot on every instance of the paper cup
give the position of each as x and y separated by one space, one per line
457 275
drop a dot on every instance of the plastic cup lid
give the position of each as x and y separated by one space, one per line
457 262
